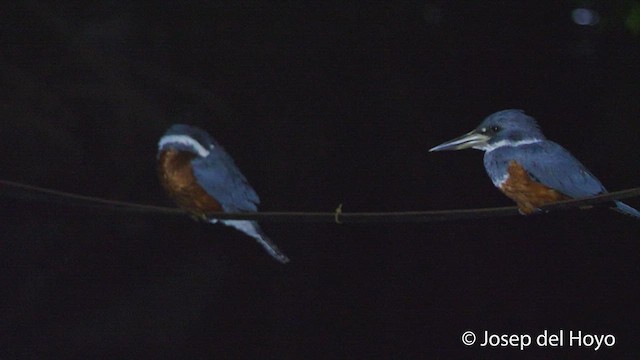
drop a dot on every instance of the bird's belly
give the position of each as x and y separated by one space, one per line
526 192
176 176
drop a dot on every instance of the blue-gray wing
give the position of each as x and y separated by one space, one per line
552 165
220 177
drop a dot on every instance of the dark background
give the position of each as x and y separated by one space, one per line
336 102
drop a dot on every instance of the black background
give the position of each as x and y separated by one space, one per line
319 104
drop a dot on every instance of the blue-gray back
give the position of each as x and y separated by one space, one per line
220 177
547 163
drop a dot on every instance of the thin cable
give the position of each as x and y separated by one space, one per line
338 216
43 194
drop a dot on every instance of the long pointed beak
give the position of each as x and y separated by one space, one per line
471 139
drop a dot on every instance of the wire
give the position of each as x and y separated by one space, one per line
338 216
43 194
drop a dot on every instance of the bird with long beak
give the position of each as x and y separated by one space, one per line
525 166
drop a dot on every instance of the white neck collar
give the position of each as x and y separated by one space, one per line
185 140
503 143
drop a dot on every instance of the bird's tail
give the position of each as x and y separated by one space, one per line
626 209
252 229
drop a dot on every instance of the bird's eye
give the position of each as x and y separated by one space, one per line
495 129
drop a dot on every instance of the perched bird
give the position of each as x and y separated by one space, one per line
202 179
525 166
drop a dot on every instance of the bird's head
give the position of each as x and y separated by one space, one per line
503 128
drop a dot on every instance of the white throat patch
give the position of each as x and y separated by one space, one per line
499 181
184 140
503 143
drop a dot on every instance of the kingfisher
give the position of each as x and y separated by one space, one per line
525 166
203 179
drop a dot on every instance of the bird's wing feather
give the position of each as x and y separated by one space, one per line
220 177
553 166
